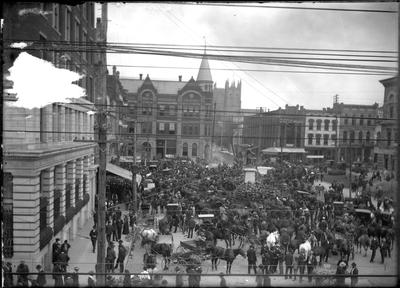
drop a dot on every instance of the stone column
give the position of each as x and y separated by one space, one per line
48 192
61 124
60 185
48 123
79 176
72 124
86 163
71 176
55 123
26 218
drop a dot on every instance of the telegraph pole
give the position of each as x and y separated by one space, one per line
101 233
134 186
259 135
396 195
213 131
350 169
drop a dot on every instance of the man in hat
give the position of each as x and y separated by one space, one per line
354 274
121 256
222 283
251 259
56 250
41 277
110 257
93 238
374 246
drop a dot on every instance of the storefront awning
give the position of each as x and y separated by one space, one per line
278 150
116 170
315 156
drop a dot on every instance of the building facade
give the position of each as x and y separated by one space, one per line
357 127
171 118
227 116
321 130
385 150
50 180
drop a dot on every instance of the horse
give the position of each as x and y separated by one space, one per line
229 255
272 239
346 248
163 249
148 236
163 225
364 242
224 234
240 232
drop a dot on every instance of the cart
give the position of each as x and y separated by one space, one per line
190 249
322 275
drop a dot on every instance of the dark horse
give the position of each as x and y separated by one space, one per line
346 247
229 255
223 233
164 250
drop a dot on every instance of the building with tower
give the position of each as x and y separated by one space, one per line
171 118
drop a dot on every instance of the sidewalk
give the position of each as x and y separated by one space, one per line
82 256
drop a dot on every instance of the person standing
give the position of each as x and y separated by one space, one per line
93 238
120 223
251 259
110 258
179 277
353 275
192 224
56 250
302 264
222 282
91 279
125 229
374 246
114 230
109 231
260 276
57 276
121 257
22 271
289 264
65 247
41 277
75 277
383 249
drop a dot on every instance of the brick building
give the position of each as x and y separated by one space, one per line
357 127
385 150
50 181
171 118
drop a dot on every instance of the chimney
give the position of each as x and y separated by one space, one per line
140 76
180 78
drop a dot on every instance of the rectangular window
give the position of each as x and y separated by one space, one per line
84 41
319 122
172 110
326 138
334 125
56 17
67 31
353 121
326 125
172 128
334 138
362 120
161 110
318 139
346 120
161 127
310 139
147 128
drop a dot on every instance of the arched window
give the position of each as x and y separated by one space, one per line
360 136
352 136
185 149
361 119
344 136
319 122
310 124
326 125
391 111
194 150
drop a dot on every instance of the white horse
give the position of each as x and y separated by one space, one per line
148 234
273 239
306 248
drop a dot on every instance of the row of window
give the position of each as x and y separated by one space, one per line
185 150
171 110
319 124
190 129
361 120
351 136
318 139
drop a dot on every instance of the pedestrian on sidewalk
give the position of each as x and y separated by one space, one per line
121 256
91 279
110 258
40 280
374 247
120 223
63 260
65 247
127 279
289 263
354 275
125 230
192 224
114 230
23 269
109 231
118 213
222 282
311 264
57 275
384 249
302 265
56 250
251 259
93 238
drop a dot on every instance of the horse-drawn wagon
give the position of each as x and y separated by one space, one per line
190 252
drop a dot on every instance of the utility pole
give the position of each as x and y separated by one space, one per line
213 131
259 135
396 195
134 186
101 233
350 169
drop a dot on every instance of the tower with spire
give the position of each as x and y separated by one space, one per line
204 78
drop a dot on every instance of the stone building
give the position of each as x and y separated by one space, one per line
50 180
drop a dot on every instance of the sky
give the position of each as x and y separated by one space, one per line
159 23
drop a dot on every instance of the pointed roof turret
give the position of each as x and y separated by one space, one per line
204 71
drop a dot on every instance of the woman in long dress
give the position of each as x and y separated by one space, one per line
125 229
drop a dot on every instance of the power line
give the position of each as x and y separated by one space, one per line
283 7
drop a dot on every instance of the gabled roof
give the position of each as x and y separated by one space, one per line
162 86
204 71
